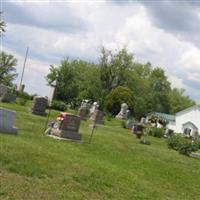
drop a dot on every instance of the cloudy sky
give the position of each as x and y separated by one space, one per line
165 33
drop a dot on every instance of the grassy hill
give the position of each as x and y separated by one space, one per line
115 166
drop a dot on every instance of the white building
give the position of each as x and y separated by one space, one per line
186 121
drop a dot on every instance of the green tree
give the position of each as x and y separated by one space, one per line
76 80
178 101
160 87
138 81
118 96
113 68
7 68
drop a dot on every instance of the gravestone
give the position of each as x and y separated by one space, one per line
39 106
5 95
3 89
7 118
97 117
123 112
8 97
130 123
94 107
68 128
84 109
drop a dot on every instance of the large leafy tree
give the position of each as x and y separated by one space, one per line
76 80
7 68
178 101
160 88
113 68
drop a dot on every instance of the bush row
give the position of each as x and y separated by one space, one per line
156 132
183 145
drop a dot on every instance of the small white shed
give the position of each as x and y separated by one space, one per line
187 121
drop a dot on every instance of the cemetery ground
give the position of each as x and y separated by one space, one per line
114 166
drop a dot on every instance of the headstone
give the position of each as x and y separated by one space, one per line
68 128
7 118
123 112
84 109
3 89
97 117
5 95
130 123
39 106
8 97
94 107
143 120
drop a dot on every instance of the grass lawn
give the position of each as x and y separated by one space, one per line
115 166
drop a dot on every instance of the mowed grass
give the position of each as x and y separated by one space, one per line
114 166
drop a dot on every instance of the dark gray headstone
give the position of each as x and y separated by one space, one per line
39 106
68 128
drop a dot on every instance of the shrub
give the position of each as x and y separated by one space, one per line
157 132
58 105
182 145
197 143
123 124
23 95
22 101
108 116
175 142
118 96
187 148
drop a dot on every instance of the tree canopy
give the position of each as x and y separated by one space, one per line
7 68
149 86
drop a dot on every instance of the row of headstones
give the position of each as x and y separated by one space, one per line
7 117
69 126
95 113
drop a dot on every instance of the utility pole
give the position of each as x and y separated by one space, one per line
23 67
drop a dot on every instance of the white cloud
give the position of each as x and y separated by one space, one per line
107 24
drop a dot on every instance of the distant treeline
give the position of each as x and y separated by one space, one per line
117 78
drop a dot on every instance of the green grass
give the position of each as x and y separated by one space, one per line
115 166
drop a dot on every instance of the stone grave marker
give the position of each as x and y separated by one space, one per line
84 109
3 89
97 117
68 128
39 106
123 114
7 119
5 95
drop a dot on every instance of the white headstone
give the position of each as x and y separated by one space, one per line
123 112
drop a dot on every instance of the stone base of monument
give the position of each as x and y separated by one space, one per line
35 112
8 97
65 134
121 116
10 130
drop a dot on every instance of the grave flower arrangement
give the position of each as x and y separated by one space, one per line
60 117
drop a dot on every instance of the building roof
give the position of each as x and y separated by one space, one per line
188 109
164 116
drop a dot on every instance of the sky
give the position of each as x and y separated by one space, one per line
165 33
